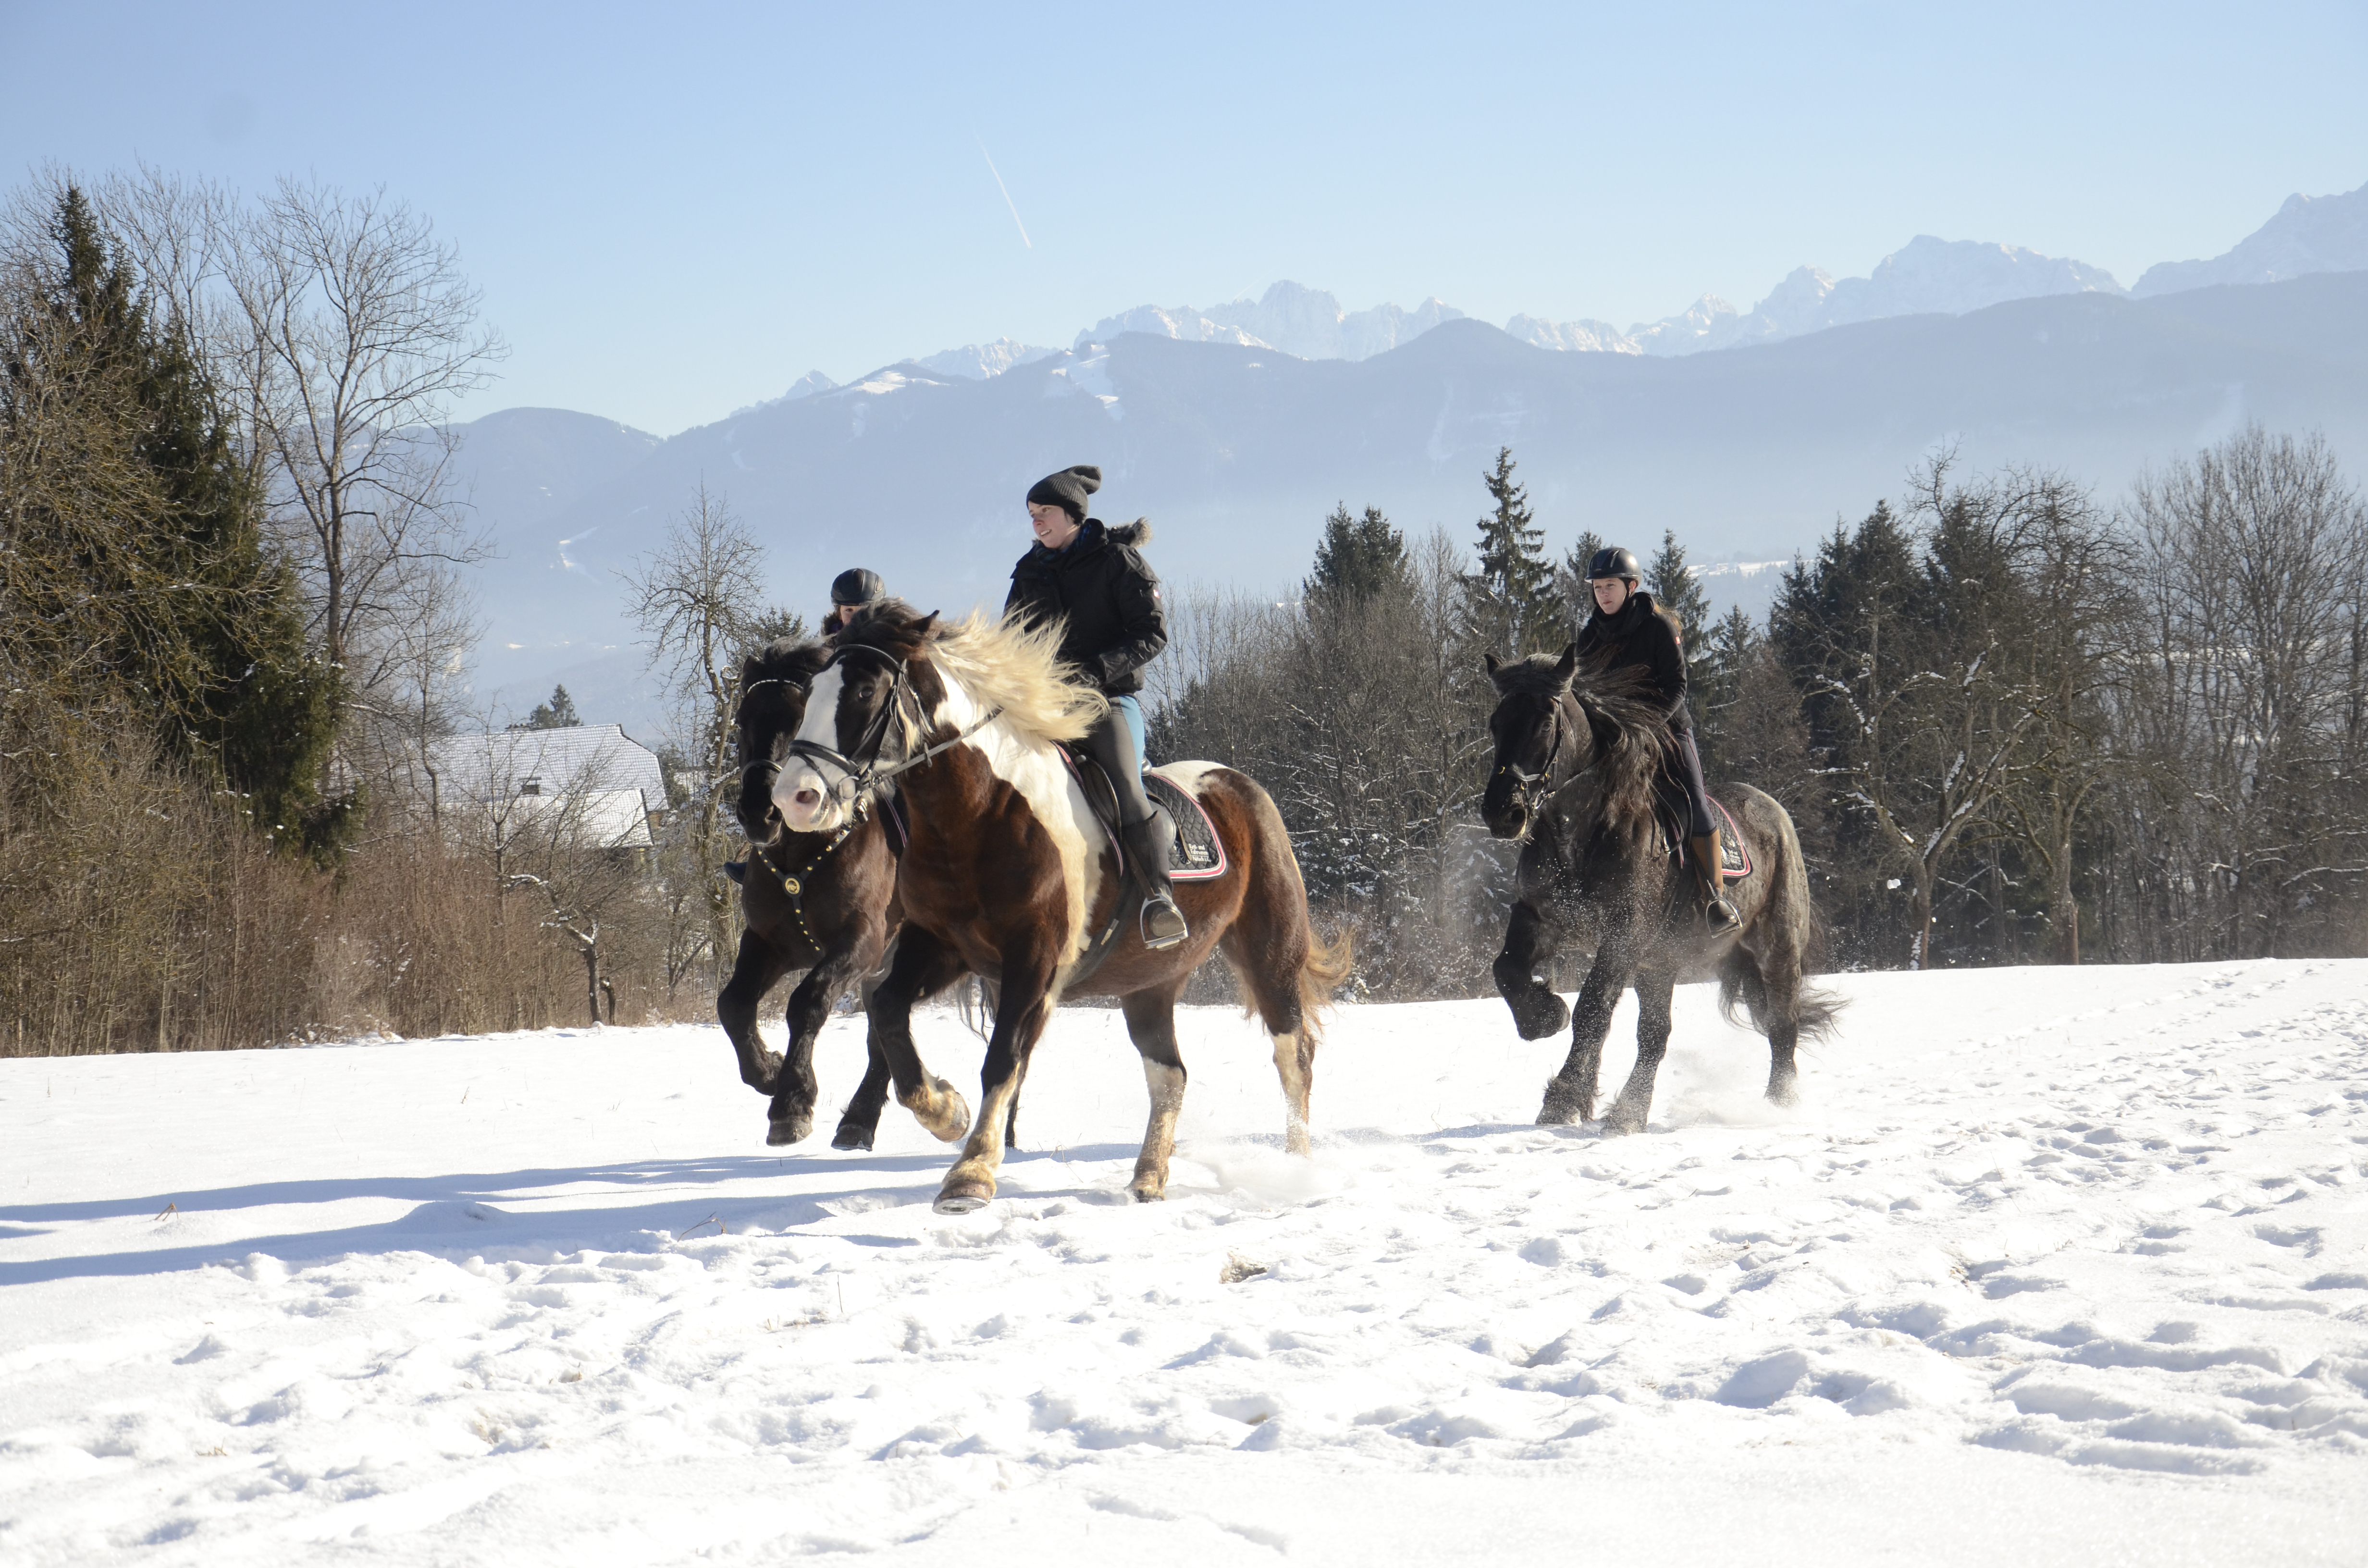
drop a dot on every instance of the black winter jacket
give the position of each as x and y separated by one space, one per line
1642 635
1109 598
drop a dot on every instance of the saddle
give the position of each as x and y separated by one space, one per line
1673 819
1196 854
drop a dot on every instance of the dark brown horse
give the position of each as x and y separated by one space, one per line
1009 876
823 903
1578 757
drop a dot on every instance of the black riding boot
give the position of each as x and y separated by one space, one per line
1143 830
1147 844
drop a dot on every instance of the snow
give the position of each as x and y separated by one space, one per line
2053 1266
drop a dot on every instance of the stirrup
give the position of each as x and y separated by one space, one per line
1721 916
1162 924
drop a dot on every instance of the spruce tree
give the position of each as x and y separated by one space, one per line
1675 588
559 713
203 632
1509 602
1355 560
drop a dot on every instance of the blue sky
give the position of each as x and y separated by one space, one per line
675 211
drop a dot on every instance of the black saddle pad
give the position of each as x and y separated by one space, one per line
1199 853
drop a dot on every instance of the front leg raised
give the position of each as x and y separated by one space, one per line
757 969
1529 945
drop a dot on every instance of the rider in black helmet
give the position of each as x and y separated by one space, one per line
1092 578
850 591
1628 630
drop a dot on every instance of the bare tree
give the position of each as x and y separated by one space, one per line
359 331
700 600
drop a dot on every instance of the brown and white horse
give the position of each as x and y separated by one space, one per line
1008 874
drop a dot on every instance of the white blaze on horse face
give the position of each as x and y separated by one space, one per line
1037 773
811 796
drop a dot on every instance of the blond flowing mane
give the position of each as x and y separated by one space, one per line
1012 664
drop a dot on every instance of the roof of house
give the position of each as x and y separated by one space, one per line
584 758
610 819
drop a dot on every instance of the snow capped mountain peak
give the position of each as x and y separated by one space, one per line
2307 234
1307 324
978 361
1583 336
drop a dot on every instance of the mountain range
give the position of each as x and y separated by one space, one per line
1747 434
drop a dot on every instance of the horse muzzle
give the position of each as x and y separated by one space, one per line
806 801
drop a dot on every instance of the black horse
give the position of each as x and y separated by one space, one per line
1578 757
823 903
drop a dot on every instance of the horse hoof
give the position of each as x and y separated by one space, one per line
953 1121
1562 1111
1540 1013
1149 1194
779 1132
850 1136
1619 1125
967 1196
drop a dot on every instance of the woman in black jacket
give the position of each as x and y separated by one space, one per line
1092 579
1628 630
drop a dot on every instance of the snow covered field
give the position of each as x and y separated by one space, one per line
2051 1267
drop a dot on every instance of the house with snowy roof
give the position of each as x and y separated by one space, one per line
593 782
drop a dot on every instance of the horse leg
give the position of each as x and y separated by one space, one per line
1570 1094
1528 944
1654 989
809 1009
756 969
858 1124
1782 1020
1151 1024
1026 1007
923 967
1269 952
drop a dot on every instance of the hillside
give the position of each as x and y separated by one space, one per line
1238 452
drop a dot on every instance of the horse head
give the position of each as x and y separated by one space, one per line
1537 740
774 681
864 710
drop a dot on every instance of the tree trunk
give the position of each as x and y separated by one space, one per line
2063 910
592 984
1920 955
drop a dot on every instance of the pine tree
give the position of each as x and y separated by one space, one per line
559 713
1355 560
1570 577
1509 602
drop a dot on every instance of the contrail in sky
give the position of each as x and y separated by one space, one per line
1007 194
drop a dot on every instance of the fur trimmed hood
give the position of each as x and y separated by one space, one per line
1134 535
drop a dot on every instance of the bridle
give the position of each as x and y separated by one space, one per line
861 770
1525 783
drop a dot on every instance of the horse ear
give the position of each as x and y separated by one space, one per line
1567 665
1493 663
924 628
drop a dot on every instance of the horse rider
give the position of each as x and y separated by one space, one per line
1628 630
1093 579
855 588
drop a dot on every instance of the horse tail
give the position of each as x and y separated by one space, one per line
1320 974
1771 987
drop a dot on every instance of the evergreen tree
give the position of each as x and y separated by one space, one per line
559 713
1675 588
1355 560
1510 600
1571 578
186 622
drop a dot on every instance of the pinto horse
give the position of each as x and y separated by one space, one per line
1009 876
1577 758
823 903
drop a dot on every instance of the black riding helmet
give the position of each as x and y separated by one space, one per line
858 586
1612 561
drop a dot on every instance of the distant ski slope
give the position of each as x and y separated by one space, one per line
2053 1267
